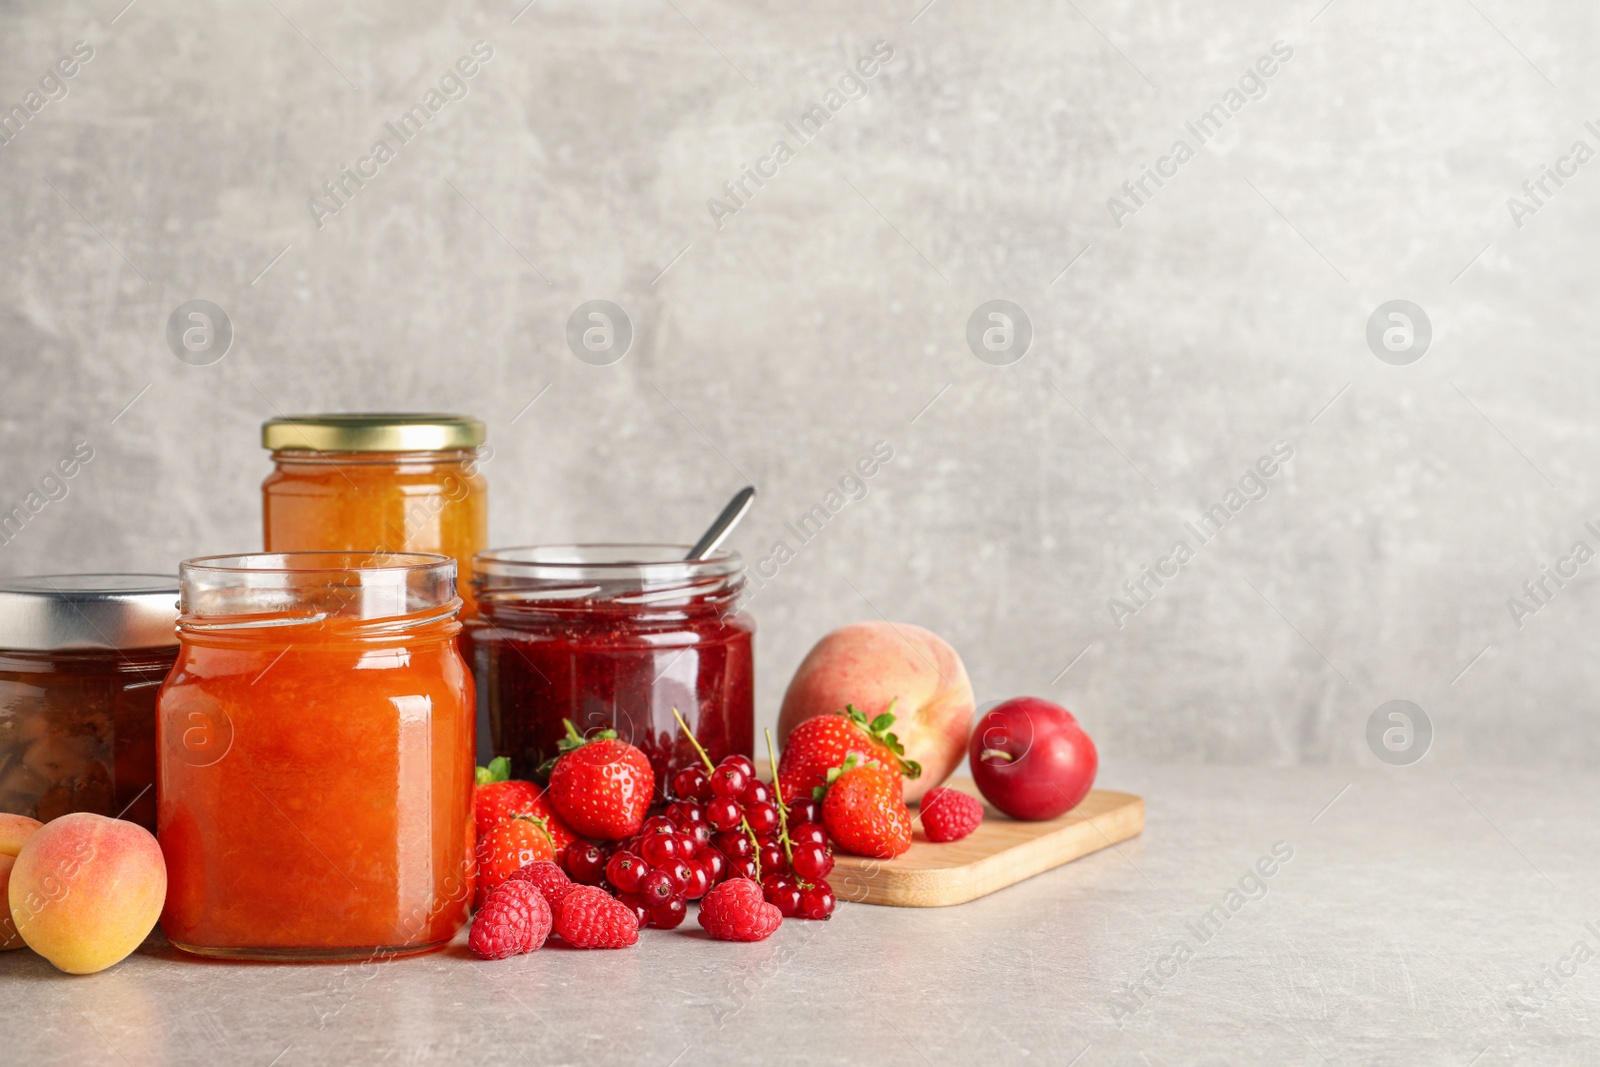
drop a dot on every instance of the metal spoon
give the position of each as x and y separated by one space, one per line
719 530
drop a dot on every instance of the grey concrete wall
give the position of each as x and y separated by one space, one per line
1175 339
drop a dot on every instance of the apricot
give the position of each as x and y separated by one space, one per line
14 830
86 890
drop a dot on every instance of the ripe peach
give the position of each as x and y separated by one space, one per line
86 890
14 830
869 664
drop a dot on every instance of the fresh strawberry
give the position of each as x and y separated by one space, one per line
548 878
510 846
589 917
515 918
737 910
823 741
949 814
865 811
600 786
497 798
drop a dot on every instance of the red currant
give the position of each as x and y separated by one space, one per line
699 878
757 792
811 861
723 814
688 845
657 888
669 915
733 844
772 859
729 781
742 867
701 834
641 911
684 814
586 862
803 810
782 892
816 901
762 817
657 824
691 784
807 832
625 871
682 874
659 850
741 762
715 864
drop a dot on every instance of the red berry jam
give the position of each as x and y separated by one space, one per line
614 636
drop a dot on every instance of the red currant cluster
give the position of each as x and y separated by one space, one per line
725 824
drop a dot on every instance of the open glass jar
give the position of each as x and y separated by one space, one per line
614 636
377 483
315 743
81 659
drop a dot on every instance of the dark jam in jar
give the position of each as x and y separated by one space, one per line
614 636
82 657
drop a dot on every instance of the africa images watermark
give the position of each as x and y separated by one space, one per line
1542 588
1253 486
51 487
1552 978
1251 888
851 488
53 85
1252 86
1538 191
809 126
452 85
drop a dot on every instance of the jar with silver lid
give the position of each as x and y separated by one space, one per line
82 658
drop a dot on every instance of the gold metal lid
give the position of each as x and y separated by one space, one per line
372 432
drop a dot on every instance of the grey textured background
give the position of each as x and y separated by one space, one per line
830 312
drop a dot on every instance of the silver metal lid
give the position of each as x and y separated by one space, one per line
85 611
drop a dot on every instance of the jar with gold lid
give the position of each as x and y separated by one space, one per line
378 482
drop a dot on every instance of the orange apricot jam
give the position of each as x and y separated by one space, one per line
315 745
378 483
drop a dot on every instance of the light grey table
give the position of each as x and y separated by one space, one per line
1424 917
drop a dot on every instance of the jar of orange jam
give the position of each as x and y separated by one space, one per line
378 483
315 758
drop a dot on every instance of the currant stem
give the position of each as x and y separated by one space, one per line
693 740
783 809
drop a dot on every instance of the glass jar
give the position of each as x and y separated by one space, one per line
614 636
377 483
81 659
315 743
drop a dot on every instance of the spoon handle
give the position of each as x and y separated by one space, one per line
724 524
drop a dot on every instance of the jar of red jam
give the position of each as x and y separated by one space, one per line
315 742
81 659
378 483
614 636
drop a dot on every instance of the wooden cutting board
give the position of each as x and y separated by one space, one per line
1000 852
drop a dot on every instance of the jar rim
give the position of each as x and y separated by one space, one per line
297 588
643 561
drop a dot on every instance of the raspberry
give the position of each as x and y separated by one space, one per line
950 815
737 911
589 917
548 878
515 918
